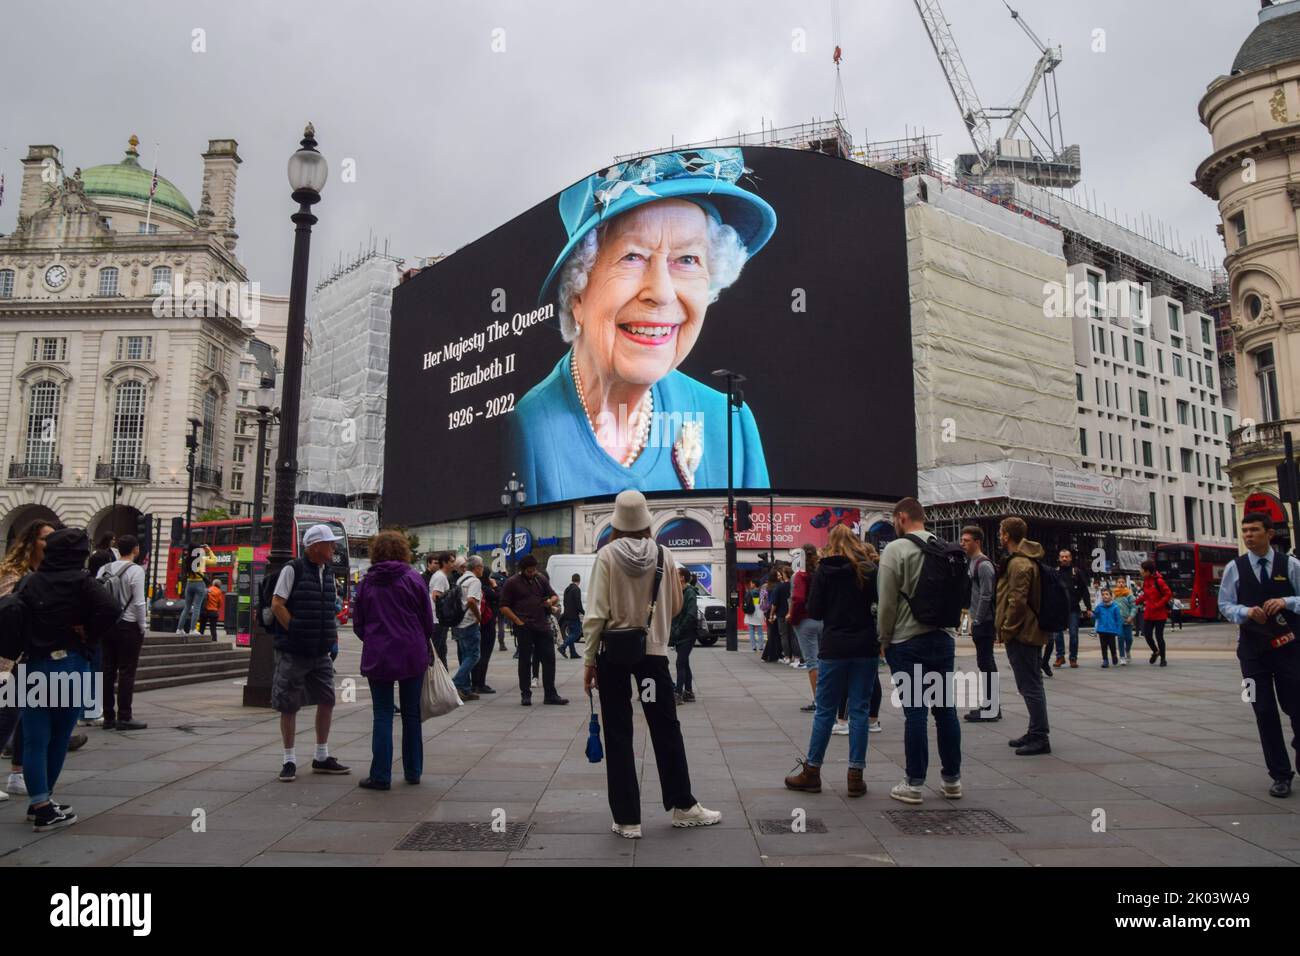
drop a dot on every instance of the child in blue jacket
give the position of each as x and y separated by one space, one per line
1109 625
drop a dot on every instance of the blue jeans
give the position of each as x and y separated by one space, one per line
572 631
467 652
1059 638
755 637
911 662
1126 641
858 676
195 594
48 730
381 737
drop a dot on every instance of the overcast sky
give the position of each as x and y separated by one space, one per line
450 138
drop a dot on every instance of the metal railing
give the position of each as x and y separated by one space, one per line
121 471
207 476
35 470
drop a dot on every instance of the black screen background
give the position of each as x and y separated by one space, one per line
830 387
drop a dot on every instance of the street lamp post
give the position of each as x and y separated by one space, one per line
735 399
191 443
265 415
307 174
513 496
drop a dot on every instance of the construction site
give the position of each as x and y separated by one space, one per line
1067 420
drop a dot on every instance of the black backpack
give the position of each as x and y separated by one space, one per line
451 606
266 591
15 623
943 589
1054 598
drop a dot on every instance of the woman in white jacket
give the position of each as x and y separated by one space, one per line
619 597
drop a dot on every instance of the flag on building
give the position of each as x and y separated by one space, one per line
2 189
153 186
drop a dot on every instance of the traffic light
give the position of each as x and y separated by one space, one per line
178 530
743 520
144 533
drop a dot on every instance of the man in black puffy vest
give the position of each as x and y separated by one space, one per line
303 606
1260 593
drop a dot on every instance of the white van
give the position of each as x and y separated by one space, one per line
561 568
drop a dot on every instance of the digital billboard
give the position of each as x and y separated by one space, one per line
575 345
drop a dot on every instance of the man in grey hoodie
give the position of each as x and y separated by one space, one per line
620 596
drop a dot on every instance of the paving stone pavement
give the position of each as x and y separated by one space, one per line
1170 755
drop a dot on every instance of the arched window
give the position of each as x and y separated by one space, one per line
42 424
128 426
6 283
108 281
162 280
209 437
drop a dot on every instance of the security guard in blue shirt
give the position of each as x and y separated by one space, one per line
1260 593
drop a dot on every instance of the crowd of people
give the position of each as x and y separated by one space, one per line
837 613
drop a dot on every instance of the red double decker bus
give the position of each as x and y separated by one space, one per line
1193 572
226 537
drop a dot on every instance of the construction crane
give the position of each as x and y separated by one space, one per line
1023 151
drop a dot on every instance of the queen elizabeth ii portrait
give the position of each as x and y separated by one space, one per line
652 243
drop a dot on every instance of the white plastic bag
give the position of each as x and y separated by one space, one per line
438 694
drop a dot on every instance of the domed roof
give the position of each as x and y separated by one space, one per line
1275 40
129 180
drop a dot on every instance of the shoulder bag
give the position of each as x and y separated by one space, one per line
625 646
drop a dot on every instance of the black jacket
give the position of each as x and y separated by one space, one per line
844 608
313 624
573 609
1080 596
60 597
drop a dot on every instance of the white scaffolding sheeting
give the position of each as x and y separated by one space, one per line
993 376
345 379
1032 481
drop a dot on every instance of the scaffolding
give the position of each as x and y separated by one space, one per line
345 381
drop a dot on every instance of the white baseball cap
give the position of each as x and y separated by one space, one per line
318 533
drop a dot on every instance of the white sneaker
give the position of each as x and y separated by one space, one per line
16 784
3 796
1123 661
841 728
696 816
951 790
535 682
873 726
631 831
907 793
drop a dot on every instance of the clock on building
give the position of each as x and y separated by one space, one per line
56 276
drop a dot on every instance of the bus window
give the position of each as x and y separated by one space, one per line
243 535
199 536
224 536
264 533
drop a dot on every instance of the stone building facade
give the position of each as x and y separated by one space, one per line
1253 115
124 313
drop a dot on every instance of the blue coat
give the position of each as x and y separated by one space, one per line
557 457
1107 619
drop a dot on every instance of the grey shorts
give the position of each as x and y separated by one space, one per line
299 681
809 633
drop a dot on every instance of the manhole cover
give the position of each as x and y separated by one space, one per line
465 836
950 822
775 827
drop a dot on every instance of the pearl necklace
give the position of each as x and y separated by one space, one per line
643 416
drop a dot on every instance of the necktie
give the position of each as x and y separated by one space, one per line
1263 570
